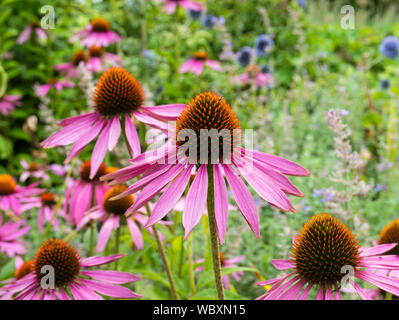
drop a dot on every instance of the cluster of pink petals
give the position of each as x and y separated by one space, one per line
45 212
14 200
196 66
25 35
171 5
78 198
81 130
89 37
41 172
4 294
100 283
227 263
260 80
42 90
94 64
9 234
112 222
289 287
266 178
9 102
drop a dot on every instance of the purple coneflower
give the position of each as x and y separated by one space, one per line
79 196
226 263
72 276
70 69
117 94
98 59
209 111
97 33
254 75
324 254
42 90
46 204
197 62
171 5
110 212
33 27
9 234
21 269
9 102
12 195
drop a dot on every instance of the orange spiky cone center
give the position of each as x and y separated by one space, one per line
78 57
118 206
390 234
200 55
7 184
85 171
100 24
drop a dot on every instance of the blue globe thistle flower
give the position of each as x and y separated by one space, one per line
266 69
385 84
389 47
195 14
209 21
302 3
263 45
244 56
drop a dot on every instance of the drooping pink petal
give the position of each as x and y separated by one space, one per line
132 137
100 149
135 232
97 261
111 276
221 203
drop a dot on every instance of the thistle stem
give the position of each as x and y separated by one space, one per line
213 234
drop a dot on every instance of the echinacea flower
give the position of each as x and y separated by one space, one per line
98 59
244 56
323 253
71 276
70 69
226 263
9 234
46 204
110 212
9 102
21 269
12 195
43 90
389 47
197 62
208 111
263 45
85 190
35 28
254 75
117 94
171 5
34 170
98 32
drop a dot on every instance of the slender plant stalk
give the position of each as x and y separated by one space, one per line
213 234
181 259
117 236
161 248
191 264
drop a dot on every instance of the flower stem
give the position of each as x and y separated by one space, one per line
213 234
191 264
117 236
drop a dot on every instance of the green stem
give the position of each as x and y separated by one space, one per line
117 236
191 264
213 234
181 259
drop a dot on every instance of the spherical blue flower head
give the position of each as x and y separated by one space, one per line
389 47
302 3
195 14
244 56
265 69
209 21
385 84
263 45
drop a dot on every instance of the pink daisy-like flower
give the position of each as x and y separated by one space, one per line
323 254
72 276
9 102
46 204
171 5
38 171
79 195
33 27
97 33
12 195
9 234
208 111
98 59
117 94
197 62
110 212
70 69
226 263
21 269
254 75
42 90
